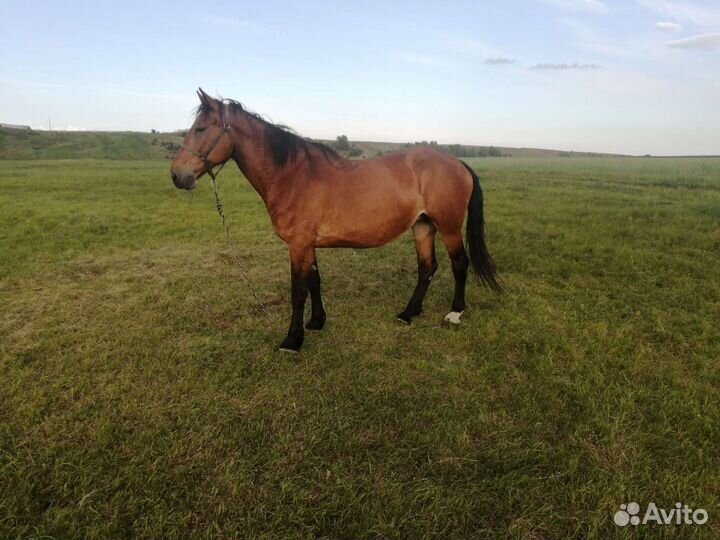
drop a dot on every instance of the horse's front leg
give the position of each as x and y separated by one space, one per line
301 261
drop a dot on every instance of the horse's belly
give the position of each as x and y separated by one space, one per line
369 208
362 229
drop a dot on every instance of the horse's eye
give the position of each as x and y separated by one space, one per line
200 129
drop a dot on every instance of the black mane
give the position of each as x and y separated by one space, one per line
284 144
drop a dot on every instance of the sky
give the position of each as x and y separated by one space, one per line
636 77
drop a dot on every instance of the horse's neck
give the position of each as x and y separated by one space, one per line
250 153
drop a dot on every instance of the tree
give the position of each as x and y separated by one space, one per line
342 144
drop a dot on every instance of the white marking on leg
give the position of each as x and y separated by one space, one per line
453 317
291 351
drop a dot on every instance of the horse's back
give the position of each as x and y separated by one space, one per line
402 186
369 202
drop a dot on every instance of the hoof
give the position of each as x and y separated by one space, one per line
453 317
315 324
404 318
291 345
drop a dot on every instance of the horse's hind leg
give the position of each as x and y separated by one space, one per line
460 262
424 234
317 319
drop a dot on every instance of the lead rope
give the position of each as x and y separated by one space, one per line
221 213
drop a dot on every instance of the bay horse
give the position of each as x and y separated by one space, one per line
318 199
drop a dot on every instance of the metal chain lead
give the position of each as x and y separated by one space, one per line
221 213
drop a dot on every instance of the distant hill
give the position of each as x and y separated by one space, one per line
372 149
31 144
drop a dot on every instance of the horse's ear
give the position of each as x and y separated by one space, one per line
204 98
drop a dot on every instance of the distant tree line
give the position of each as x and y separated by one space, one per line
459 150
349 149
171 148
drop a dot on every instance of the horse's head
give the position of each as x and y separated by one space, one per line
207 143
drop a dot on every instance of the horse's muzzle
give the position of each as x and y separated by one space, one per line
183 181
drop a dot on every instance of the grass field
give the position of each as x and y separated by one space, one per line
142 395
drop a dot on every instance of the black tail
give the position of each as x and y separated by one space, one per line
481 260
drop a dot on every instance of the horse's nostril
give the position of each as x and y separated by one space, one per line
174 177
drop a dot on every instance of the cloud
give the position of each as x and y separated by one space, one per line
499 61
564 67
705 42
668 27
98 89
684 10
589 38
596 6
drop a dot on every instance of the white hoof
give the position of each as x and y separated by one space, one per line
288 351
453 317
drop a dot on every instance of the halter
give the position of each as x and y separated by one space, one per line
205 155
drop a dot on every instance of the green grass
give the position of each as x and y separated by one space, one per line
142 395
